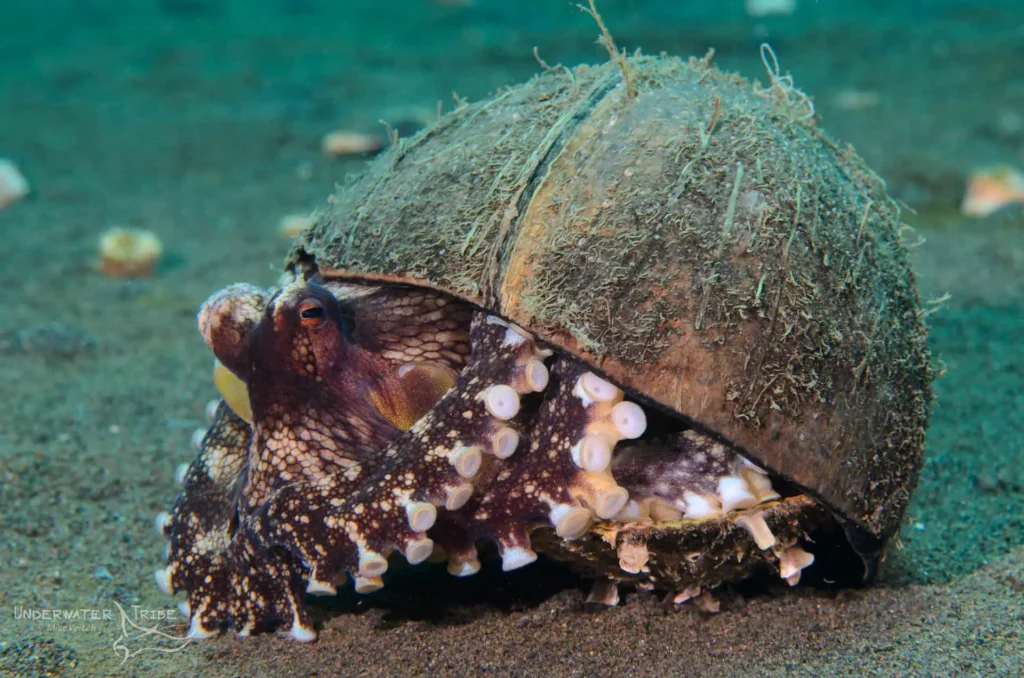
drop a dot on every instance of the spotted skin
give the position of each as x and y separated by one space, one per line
316 431
228 579
205 515
316 387
333 524
407 324
387 419
537 480
239 311
666 467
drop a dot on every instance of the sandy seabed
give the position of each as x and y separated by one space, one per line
201 120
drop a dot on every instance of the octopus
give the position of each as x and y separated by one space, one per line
361 421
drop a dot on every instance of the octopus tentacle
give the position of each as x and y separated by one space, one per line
314 386
228 579
688 475
250 587
543 484
202 520
600 419
336 527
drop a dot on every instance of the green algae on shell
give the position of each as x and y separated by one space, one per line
700 244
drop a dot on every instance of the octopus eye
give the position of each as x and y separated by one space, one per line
312 313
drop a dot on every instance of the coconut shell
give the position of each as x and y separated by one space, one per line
681 553
698 241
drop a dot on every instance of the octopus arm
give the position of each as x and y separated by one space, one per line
353 523
229 577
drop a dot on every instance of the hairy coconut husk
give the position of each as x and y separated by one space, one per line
697 240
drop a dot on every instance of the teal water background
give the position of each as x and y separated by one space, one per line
201 120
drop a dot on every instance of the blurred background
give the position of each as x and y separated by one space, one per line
207 129
926 90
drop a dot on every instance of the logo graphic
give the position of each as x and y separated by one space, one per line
146 639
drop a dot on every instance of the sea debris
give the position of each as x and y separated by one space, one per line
129 252
783 92
292 225
608 43
13 184
345 142
990 190
762 8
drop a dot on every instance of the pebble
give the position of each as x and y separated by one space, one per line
13 184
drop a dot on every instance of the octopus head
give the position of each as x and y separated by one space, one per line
301 344
302 329
305 334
